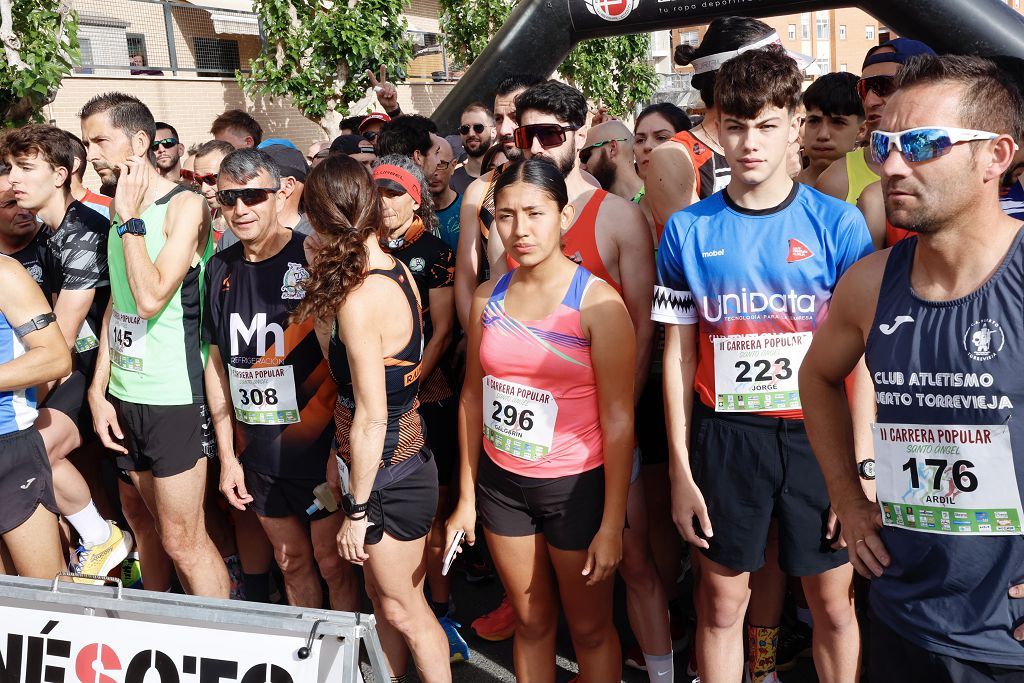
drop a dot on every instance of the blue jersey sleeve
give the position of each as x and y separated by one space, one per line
854 241
673 301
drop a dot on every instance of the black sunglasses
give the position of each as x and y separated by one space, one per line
587 151
883 86
477 128
371 135
250 196
166 143
549 134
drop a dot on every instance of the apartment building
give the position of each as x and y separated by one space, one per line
180 58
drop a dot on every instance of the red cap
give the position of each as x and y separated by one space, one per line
375 116
397 179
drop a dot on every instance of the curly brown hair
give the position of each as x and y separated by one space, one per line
344 207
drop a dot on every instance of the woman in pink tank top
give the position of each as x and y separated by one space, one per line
549 382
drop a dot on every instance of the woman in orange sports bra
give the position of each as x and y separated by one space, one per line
549 380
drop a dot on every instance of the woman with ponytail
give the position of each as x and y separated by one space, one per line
366 301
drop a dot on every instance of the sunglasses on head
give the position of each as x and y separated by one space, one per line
477 128
208 179
166 143
587 151
250 196
883 86
549 134
921 144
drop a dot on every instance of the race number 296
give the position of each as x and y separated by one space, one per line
519 419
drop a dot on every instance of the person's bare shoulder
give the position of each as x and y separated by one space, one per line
834 181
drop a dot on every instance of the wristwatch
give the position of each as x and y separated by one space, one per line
132 226
866 469
351 508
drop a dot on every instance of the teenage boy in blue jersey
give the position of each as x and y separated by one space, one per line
744 280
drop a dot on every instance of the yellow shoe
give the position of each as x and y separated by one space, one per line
99 559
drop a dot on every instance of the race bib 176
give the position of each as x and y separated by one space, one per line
947 479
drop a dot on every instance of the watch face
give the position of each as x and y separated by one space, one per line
869 468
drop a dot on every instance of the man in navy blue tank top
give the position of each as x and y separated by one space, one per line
938 318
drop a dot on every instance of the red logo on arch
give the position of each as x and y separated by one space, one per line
798 251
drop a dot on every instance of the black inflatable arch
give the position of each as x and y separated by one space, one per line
540 33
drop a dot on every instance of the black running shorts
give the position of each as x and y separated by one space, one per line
894 659
25 478
166 440
567 510
404 508
751 468
274 496
69 397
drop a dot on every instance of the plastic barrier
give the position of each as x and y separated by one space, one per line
62 632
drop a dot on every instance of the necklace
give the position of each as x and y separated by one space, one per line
716 145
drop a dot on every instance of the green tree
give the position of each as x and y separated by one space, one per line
317 53
615 71
40 44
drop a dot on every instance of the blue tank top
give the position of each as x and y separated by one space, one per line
954 363
17 408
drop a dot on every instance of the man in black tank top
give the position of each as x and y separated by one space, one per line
939 317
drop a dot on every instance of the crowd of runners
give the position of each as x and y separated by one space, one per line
761 363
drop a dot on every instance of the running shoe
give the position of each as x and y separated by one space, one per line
794 644
458 650
635 659
475 565
99 559
131 571
498 624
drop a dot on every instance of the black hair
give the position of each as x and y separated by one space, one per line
242 165
480 107
517 82
211 146
756 79
49 143
835 94
174 131
562 101
989 100
722 35
80 153
126 113
405 135
238 120
541 174
675 116
351 123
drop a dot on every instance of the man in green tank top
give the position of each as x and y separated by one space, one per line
147 395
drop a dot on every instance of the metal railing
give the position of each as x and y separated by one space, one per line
165 37
171 37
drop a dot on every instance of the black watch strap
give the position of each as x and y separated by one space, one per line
37 323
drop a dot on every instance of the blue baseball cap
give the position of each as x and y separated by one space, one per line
902 50
277 141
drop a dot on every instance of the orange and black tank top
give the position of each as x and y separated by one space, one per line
404 436
712 172
579 242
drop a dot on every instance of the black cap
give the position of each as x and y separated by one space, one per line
292 162
351 144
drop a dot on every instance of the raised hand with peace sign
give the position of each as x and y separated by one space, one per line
387 94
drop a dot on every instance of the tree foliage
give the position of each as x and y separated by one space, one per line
47 45
615 71
317 52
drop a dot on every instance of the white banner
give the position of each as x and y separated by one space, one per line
38 646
